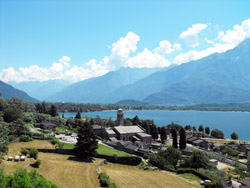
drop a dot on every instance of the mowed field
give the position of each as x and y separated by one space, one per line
68 172
132 177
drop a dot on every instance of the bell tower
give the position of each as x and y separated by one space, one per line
120 117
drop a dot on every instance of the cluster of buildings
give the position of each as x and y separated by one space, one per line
132 139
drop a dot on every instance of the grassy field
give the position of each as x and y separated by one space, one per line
225 141
191 177
69 172
68 146
132 177
104 150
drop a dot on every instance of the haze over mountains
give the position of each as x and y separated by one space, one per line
218 78
8 91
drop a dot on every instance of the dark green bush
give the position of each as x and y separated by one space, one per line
37 163
25 138
105 181
33 153
24 151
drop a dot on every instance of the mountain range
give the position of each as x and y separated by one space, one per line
218 78
7 91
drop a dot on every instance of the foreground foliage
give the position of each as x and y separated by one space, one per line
105 181
22 179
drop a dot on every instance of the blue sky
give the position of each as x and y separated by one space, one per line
76 40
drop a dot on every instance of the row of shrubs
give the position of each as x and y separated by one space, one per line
105 181
203 176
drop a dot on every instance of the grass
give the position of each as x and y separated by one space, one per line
68 146
132 177
104 150
69 172
191 177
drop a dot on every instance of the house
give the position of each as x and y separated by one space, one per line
201 143
244 183
46 125
214 161
98 130
218 146
190 140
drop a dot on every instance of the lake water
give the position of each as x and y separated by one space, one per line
227 122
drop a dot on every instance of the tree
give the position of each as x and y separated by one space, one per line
3 140
78 115
194 128
53 111
197 160
207 130
38 107
87 141
44 107
163 134
12 114
136 120
201 128
154 132
174 136
217 134
234 136
183 142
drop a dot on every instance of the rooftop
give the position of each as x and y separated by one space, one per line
128 129
144 135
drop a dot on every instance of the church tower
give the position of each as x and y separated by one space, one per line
120 117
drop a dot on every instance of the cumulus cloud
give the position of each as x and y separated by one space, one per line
225 41
147 58
119 57
191 34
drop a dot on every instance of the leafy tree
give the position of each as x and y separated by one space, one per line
217 134
235 136
87 141
197 160
38 108
194 128
183 141
3 139
78 115
174 136
18 128
163 134
12 114
22 179
201 128
1 176
53 111
207 130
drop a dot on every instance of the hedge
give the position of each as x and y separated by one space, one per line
134 161
203 176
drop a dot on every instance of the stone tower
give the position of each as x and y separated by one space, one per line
120 117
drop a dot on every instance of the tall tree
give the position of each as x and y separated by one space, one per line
163 134
217 134
136 120
201 128
78 115
183 142
3 140
154 132
194 128
44 107
174 136
234 136
53 111
87 141
207 130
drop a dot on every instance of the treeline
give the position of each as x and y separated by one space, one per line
90 107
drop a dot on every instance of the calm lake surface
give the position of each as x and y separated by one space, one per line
228 122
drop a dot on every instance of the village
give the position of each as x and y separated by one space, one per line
134 140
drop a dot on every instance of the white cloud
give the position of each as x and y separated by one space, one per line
225 41
191 34
148 59
119 57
